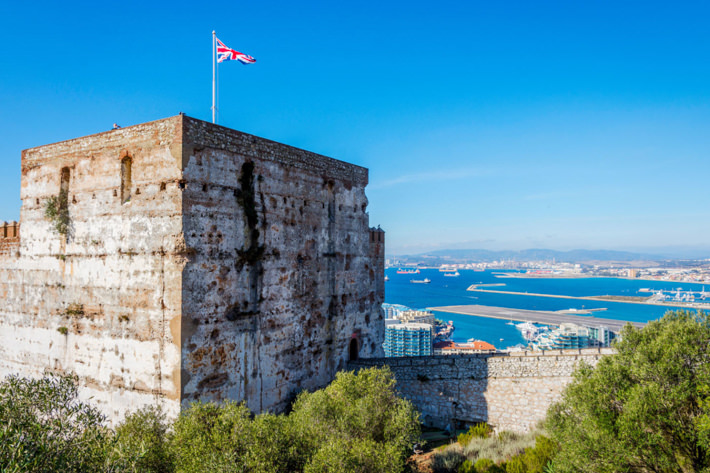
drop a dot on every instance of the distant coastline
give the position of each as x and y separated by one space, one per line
584 276
567 275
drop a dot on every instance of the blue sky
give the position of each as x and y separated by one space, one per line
500 125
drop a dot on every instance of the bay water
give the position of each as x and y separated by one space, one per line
444 290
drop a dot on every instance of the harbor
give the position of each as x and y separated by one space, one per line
536 316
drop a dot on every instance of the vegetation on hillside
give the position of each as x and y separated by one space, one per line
481 451
645 409
356 424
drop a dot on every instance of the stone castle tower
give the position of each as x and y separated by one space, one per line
198 263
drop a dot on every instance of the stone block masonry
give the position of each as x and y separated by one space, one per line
508 391
199 263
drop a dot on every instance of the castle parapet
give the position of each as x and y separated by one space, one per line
9 238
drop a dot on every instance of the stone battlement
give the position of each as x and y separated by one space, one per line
9 238
510 391
9 230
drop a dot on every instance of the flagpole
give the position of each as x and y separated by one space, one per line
214 67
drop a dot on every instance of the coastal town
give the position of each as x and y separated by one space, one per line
693 271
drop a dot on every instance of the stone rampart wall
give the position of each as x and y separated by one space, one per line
102 301
508 391
279 254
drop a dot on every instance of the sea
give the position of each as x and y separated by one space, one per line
443 291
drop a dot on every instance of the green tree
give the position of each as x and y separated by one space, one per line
212 438
641 409
356 424
357 413
44 427
141 443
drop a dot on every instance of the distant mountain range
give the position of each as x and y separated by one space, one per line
573 256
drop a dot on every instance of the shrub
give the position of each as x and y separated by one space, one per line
354 455
642 408
486 465
466 467
209 437
477 431
141 443
56 210
538 457
43 427
506 446
357 424
358 410
515 465
448 460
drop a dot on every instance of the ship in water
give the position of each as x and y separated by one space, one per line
421 281
452 275
408 271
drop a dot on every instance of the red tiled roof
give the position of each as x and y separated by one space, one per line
479 345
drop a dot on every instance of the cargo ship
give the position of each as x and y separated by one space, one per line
421 281
408 271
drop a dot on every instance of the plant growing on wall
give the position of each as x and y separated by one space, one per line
74 310
56 210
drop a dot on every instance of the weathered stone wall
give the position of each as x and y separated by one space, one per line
280 258
100 301
200 263
508 391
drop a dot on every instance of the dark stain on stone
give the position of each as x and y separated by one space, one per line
233 313
212 381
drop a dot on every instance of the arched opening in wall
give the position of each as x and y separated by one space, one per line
64 185
353 350
64 190
126 164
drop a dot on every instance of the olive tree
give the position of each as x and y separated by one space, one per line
642 409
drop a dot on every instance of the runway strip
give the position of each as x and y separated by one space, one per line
474 288
535 316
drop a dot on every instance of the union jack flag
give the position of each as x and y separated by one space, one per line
227 54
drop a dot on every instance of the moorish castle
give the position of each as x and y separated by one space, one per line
181 260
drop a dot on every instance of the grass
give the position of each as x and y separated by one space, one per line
497 448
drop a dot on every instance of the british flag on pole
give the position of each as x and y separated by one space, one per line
221 53
228 54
